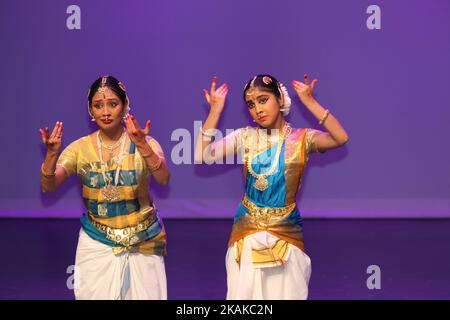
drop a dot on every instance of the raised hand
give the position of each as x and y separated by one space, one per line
135 132
53 140
304 90
216 97
147 127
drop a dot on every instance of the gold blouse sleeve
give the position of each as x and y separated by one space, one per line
230 145
156 147
69 158
310 147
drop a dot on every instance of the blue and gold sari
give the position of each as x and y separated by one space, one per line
129 223
274 209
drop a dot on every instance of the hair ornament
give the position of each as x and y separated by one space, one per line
266 80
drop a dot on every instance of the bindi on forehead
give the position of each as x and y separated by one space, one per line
107 99
252 91
258 95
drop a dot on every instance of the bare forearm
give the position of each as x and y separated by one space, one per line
155 164
203 142
331 124
48 177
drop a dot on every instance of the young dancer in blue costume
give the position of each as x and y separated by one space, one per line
266 257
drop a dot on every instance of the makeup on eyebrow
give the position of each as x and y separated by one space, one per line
260 96
110 99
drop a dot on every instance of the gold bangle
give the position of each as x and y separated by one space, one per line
156 166
146 155
325 116
45 174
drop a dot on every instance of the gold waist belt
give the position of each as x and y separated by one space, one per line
264 215
124 236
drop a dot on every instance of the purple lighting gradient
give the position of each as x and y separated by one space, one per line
389 88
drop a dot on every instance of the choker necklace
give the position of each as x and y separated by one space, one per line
112 146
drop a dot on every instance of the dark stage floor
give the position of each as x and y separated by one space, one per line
414 257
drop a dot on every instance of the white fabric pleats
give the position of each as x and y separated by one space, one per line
101 275
284 282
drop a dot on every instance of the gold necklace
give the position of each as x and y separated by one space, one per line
112 146
268 141
110 192
261 182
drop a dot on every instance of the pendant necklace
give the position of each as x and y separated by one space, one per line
261 182
110 191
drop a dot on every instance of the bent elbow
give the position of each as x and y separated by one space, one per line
344 140
46 189
166 180
163 180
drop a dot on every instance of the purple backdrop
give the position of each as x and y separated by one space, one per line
389 88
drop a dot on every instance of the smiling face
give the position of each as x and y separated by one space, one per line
264 107
107 109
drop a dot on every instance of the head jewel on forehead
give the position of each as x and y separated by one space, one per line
102 88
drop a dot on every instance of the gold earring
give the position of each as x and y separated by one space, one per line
90 114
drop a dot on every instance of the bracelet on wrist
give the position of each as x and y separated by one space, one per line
148 155
208 134
144 154
324 117
156 166
45 174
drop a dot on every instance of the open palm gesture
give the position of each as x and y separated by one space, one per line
135 132
216 97
53 140
304 90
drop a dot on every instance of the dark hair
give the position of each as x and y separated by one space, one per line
264 82
113 84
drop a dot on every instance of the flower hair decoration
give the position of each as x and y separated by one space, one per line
286 107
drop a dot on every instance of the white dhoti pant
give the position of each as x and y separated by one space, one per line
246 281
102 275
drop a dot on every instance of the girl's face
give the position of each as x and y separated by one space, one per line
107 109
264 107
